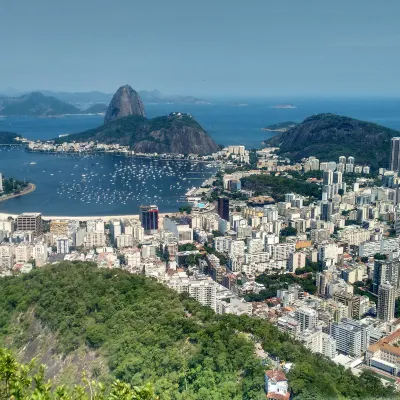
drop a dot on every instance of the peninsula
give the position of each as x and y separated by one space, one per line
125 124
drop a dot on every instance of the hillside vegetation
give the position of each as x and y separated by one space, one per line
8 138
149 334
171 133
328 136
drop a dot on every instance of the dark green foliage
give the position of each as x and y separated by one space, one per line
8 138
187 247
281 126
379 256
13 186
329 136
275 282
141 327
166 134
288 231
278 186
149 333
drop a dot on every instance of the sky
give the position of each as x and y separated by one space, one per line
203 47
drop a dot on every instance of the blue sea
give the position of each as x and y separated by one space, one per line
112 185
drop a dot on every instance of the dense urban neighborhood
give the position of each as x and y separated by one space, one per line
312 247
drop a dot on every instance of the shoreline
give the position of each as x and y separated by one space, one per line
31 188
105 218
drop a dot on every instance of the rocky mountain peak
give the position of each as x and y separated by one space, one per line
125 102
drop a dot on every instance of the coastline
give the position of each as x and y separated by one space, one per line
105 218
31 188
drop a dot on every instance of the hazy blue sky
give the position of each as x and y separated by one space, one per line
203 47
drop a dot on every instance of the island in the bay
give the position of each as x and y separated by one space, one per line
280 126
125 124
283 106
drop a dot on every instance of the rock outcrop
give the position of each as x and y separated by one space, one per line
125 102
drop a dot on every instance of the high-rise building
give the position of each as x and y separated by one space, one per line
307 317
349 337
337 177
386 271
149 219
30 222
328 177
342 160
326 210
386 299
350 160
62 245
1 183
223 208
395 154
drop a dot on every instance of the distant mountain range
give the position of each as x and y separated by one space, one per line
328 136
83 100
36 104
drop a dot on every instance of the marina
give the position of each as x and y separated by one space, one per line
99 183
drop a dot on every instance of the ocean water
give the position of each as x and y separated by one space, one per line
98 184
112 185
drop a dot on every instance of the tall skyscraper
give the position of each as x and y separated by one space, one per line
395 154
149 219
342 160
223 208
386 299
1 183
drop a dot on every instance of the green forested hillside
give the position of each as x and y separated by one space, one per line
329 136
149 334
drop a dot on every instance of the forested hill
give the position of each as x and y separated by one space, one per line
173 133
75 317
329 136
8 138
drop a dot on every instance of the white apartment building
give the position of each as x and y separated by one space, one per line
237 248
23 252
94 239
223 244
296 260
124 240
354 235
62 244
281 251
95 225
307 317
203 290
349 338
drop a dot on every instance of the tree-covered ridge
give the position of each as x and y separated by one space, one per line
278 186
173 133
8 137
329 136
144 330
150 334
